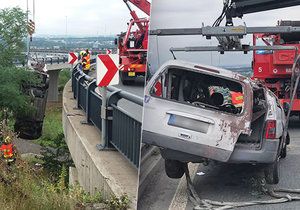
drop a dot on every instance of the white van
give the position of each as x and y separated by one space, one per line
190 114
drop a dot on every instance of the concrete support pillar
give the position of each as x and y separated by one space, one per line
53 85
73 176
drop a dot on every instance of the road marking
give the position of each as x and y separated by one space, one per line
180 198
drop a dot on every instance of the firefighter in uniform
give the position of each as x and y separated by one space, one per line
85 61
8 150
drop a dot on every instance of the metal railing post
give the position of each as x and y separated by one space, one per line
80 78
75 84
89 88
104 144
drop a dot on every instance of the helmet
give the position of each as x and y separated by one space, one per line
82 53
7 140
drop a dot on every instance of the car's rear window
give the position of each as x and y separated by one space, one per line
201 90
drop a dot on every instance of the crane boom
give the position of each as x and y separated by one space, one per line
133 44
143 5
241 7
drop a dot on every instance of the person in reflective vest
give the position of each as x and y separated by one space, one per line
85 61
8 150
237 99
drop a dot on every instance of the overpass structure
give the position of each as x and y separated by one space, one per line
53 72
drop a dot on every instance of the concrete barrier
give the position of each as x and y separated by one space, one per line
105 171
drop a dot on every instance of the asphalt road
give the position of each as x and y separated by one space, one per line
222 182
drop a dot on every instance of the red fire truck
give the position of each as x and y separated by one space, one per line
133 44
274 67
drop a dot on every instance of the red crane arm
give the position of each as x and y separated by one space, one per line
143 5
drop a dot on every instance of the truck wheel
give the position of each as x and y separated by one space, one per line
124 79
272 172
174 168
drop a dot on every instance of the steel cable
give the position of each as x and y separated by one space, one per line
206 204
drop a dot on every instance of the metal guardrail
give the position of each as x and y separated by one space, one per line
123 130
52 60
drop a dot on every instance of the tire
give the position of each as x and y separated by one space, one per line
28 129
272 172
283 152
174 168
124 78
288 140
284 149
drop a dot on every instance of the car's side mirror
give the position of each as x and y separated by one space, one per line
286 107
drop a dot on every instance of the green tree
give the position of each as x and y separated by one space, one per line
12 96
12 35
12 79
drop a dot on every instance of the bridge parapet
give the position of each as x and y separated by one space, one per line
113 168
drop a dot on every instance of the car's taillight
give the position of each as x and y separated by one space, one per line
271 129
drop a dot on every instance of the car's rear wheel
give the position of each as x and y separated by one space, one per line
272 172
174 168
288 140
283 152
284 149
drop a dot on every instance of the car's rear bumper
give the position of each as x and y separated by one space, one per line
190 151
182 150
247 153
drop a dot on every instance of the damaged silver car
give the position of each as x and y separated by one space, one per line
197 113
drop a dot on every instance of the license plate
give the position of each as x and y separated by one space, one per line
131 74
187 123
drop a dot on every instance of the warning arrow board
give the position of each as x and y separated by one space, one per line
108 51
107 68
73 58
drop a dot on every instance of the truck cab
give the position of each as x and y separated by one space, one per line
274 67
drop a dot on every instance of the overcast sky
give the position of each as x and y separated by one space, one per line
192 13
88 17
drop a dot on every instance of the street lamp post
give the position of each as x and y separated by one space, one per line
28 36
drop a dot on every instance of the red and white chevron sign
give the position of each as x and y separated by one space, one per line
107 69
73 58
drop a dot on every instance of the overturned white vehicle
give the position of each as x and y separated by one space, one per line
191 115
